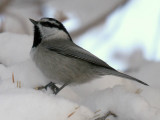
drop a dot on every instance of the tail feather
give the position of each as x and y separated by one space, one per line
128 77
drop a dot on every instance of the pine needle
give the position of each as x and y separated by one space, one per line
71 114
17 84
13 77
97 111
77 107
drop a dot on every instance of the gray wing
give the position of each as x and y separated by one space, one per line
70 49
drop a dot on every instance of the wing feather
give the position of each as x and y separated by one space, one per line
70 49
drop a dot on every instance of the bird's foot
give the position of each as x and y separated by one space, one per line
53 87
109 113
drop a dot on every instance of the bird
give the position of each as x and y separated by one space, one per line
62 61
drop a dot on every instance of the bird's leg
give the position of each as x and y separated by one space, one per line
55 89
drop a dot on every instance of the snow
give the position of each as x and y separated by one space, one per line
128 105
13 49
27 104
90 101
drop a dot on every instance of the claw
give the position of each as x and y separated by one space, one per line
48 85
53 87
39 88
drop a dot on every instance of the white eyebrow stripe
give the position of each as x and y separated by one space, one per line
53 22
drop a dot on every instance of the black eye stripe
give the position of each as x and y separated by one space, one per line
48 24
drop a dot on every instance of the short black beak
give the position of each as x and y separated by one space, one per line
33 21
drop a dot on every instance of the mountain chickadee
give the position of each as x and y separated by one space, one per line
62 61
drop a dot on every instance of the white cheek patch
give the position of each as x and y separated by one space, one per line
52 33
53 22
61 34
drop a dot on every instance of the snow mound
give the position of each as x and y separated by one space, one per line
14 48
91 101
26 104
126 105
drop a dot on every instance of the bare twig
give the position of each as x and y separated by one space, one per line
20 20
60 15
17 84
4 5
96 22
138 91
76 108
1 25
97 111
71 114
13 77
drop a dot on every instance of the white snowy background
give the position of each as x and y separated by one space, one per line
137 26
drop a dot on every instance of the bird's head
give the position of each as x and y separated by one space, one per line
49 29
